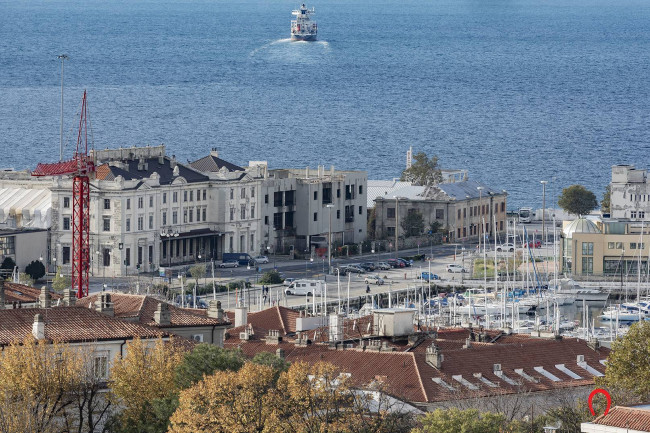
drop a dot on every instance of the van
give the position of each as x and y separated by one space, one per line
306 287
242 258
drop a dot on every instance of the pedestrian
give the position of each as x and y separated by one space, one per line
367 288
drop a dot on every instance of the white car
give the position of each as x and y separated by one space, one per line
260 260
229 265
506 247
453 267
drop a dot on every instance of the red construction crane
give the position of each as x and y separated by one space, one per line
80 167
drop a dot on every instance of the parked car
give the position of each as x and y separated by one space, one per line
453 267
288 281
231 264
426 276
506 247
407 263
355 269
368 266
374 279
260 260
535 244
383 266
395 263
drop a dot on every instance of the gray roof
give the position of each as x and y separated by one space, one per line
164 170
387 189
460 190
213 164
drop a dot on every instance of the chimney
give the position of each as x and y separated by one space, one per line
2 294
175 172
161 159
307 172
161 316
45 298
172 162
104 305
214 152
280 353
38 328
241 316
468 343
69 298
434 356
214 310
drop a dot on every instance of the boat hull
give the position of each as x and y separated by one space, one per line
305 37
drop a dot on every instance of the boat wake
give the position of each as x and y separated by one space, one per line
324 44
270 44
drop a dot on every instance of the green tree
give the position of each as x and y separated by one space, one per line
434 227
605 203
271 277
271 360
628 366
197 272
8 264
413 224
461 421
205 359
577 200
372 224
61 282
423 171
35 270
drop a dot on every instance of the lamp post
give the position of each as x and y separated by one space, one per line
329 242
544 182
63 58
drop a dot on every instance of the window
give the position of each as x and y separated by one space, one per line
128 203
191 195
587 265
230 243
587 248
360 189
390 213
266 199
175 197
198 195
204 214
252 242
66 202
637 246
360 210
458 213
440 214
464 212
205 194
338 214
191 213
175 217
266 220
107 204
150 221
315 195
503 206
150 258
164 218
140 202
390 231
288 219
184 195
633 214
65 252
496 207
289 198
150 201
232 193
500 225
128 224
139 255
315 216
127 257
327 193
66 223
277 199
164 197
277 220
471 213
185 216
253 192
140 223
107 224
243 193
338 193
252 211
100 365
641 214
242 212
232 213
107 257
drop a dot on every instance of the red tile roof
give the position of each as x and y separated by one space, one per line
70 324
15 292
142 308
632 418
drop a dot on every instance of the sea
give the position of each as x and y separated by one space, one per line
514 91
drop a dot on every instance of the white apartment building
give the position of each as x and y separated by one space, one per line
298 205
630 193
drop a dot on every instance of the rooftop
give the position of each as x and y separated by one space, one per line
634 418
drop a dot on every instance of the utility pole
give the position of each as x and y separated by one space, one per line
63 58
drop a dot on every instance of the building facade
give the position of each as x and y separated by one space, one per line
463 210
630 193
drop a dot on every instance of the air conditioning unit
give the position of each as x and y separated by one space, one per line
244 336
497 367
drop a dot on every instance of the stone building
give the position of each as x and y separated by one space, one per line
630 193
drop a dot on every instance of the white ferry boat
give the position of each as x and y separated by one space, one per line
303 28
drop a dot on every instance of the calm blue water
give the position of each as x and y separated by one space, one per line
516 91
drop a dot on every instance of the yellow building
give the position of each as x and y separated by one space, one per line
604 247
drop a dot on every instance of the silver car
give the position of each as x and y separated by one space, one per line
229 265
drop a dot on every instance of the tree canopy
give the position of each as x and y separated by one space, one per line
461 421
605 203
413 223
577 200
205 359
35 270
61 282
423 171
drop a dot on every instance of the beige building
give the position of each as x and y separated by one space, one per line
605 247
464 210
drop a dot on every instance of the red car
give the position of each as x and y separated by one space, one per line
535 244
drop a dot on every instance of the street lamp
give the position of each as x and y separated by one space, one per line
329 242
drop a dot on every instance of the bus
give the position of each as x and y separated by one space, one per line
525 215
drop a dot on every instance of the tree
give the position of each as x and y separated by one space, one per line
605 203
271 277
36 270
145 374
372 224
577 200
197 272
413 223
61 282
8 264
204 360
244 401
461 421
628 366
271 360
423 171
434 227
